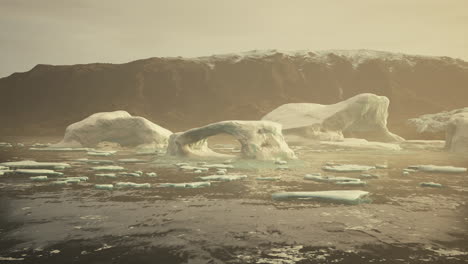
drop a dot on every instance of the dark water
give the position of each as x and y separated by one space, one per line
234 222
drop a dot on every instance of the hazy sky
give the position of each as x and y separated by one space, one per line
83 31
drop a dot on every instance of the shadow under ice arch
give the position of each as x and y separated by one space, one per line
261 140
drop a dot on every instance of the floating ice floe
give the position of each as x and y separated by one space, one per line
131 174
186 184
108 175
381 166
282 167
337 180
59 182
191 168
20 145
74 179
131 160
104 186
439 169
95 161
37 172
38 178
221 172
232 177
347 168
31 164
281 162
431 184
40 145
132 185
405 173
5 145
4 168
354 183
151 174
369 176
101 153
197 171
268 178
108 168
62 149
348 196
218 166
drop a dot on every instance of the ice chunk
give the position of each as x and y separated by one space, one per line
192 168
20 145
95 161
131 174
186 185
101 153
108 175
132 185
73 179
281 162
329 178
5 145
139 172
221 172
37 172
405 173
3 168
197 171
381 166
218 166
231 177
62 149
151 174
268 178
59 182
369 176
31 164
108 168
356 183
348 196
104 186
347 168
439 169
38 178
430 184
282 167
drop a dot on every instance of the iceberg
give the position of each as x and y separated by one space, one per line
116 127
348 196
362 116
262 140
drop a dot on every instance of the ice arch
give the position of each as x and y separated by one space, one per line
261 140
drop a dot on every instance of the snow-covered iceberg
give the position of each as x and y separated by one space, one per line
361 116
350 197
261 140
454 123
117 127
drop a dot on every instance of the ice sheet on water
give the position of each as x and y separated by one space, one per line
62 149
231 177
430 184
104 186
186 184
31 164
130 174
347 168
37 172
439 169
344 196
108 168
108 175
38 178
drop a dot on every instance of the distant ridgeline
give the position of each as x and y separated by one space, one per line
180 93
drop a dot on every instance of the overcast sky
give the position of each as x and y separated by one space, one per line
84 31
